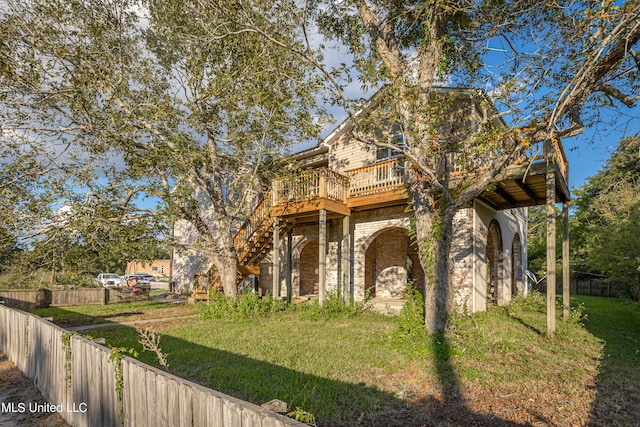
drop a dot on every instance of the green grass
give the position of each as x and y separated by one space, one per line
95 314
324 367
353 368
617 323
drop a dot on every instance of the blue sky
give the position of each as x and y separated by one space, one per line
588 152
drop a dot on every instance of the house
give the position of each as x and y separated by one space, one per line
342 225
156 267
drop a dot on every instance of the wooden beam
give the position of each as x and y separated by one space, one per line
275 258
346 259
526 190
506 196
322 255
249 269
566 274
387 198
551 253
310 206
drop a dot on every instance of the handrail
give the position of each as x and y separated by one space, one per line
310 185
376 178
254 222
463 162
554 152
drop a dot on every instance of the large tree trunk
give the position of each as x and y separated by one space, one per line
434 231
228 271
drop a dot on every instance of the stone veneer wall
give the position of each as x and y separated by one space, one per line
389 252
462 259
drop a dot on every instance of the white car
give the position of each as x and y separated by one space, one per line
143 279
109 280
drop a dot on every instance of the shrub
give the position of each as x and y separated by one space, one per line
249 306
333 307
410 334
535 302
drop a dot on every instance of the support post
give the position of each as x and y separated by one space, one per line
566 272
551 253
275 259
322 255
346 259
289 264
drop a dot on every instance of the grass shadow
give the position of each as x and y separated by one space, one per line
617 324
333 402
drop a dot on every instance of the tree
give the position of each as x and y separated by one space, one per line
574 58
107 103
8 248
606 226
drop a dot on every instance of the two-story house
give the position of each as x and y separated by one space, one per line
342 225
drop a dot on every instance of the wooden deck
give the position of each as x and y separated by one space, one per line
521 184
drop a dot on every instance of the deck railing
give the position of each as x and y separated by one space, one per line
376 178
259 215
461 163
310 185
554 153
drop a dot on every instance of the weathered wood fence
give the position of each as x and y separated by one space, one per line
40 298
599 288
90 388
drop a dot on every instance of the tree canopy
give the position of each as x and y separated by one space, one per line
107 101
606 226
111 103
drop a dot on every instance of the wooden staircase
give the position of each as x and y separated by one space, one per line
252 241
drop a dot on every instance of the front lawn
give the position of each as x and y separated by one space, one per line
493 368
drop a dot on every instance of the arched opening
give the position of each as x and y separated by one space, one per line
517 284
390 262
494 263
309 268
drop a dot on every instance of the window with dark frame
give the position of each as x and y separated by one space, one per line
386 153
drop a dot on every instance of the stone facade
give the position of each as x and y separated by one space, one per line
382 259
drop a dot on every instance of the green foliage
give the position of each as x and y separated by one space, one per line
8 248
116 357
534 302
116 125
606 227
304 417
251 307
334 307
246 307
66 344
410 334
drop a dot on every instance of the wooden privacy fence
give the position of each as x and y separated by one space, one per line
41 298
90 388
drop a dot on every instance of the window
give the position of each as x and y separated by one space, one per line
385 153
154 268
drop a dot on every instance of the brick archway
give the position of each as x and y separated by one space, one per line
494 263
517 283
308 267
386 260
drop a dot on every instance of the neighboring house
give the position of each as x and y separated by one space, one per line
156 267
343 226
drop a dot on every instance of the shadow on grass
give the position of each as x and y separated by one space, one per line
333 402
617 323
